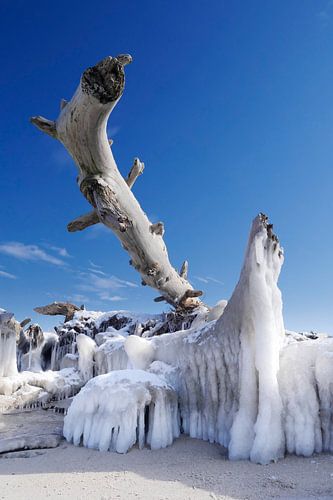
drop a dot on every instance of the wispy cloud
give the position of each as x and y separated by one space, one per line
29 252
199 278
93 282
112 298
77 298
92 264
214 280
96 271
59 250
207 280
102 286
4 274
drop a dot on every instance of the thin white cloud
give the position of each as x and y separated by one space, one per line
29 252
207 280
96 271
4 274
93 282
94 265
203 280
214 280
111 298
102 286
59 250
77 298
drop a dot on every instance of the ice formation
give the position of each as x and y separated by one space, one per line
36 389
7 344
231 376
110 412
240 381
306 387
86 347
36 349
140 352
114 326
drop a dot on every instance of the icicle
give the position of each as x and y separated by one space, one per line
30 354
109 412
8 361
54 356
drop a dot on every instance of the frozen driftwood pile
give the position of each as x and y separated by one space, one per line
229 374
238 380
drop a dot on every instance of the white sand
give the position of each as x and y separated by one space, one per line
189 469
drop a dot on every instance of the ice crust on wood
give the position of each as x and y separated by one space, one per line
109 413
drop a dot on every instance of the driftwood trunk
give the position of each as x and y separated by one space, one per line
81 127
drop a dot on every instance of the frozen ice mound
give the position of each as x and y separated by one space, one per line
121 408
29 389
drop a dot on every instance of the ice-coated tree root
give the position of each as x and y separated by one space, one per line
109 412
240 381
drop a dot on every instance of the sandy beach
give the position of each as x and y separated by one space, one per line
189 469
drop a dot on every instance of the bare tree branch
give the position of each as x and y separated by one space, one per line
81 127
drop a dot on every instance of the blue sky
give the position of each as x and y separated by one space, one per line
228 103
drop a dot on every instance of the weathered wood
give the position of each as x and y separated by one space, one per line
157 228
25 322
159 299
59 309
83 221
91 218
45 125
184 270
81 127
136 170
63 103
